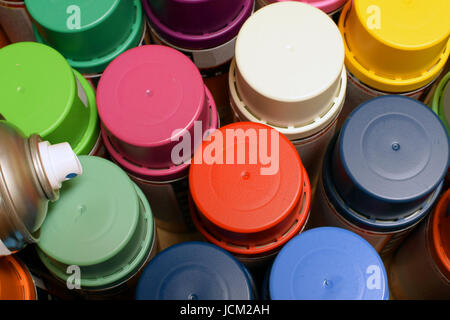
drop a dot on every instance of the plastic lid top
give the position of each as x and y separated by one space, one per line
95 217
328 264
326 5
259 200
282 66
408 24
392 149
33 98
396 46
59 162
55 14
441 101
88 33
198 24
194 271
440 232
15 280
144 96
147 93
42 94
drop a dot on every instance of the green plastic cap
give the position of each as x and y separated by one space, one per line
101 223
441 101
42 94
90 34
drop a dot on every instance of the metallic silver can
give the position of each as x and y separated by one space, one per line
31 173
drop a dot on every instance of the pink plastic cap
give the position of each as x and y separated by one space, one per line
143 96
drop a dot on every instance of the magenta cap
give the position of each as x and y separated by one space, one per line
143 96
199 24
327 6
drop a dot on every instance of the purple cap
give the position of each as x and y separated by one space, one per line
198 24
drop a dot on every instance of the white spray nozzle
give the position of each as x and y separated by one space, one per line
60 163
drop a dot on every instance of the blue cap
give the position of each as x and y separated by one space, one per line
389 160
195 271
328 264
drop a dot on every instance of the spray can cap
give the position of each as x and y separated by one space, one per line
59 163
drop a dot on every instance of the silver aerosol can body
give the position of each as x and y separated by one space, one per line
31 173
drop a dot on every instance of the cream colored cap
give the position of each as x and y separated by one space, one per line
289 65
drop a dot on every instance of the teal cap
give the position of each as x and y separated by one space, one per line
90 34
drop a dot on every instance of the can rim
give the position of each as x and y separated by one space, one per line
330 7
117 278
437 104
206 40
175 172
292 133
23 278
254 250
394 84
360 220
438 245
100 63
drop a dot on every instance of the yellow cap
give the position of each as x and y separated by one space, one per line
396 45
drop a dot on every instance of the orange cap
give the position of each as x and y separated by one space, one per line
241 208
440 230
15 280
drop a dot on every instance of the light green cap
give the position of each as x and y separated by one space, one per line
42 94
101 223
441 101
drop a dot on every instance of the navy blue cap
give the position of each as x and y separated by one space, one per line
390 158
195 271
328 264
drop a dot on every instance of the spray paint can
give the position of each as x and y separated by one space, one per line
420 268
31 172
441 106
152 101
89 34
205 31
16 282
328 264
383 172
101 230
15 21
42 94
285 78
330 7
195 271
387 53
250 208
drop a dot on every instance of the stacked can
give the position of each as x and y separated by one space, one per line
283 77
15 22
441 106
31 174
247 204
327 264
89 34
3 39
15 281
393 47
42 94
155 109
100 233
195 271
206 32
421 267
384 171
330 7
